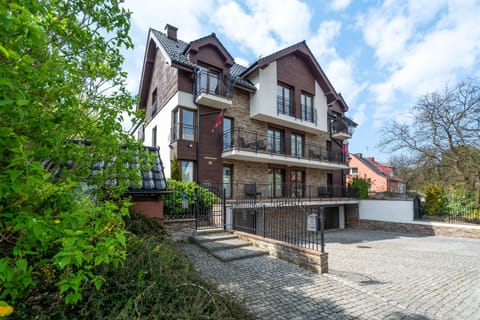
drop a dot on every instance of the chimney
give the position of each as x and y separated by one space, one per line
171 32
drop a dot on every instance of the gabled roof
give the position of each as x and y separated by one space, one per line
303 49
177 51
375 167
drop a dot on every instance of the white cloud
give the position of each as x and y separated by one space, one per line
263 26
241 61
340 4
420 48
359 115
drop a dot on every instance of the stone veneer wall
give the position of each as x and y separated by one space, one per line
425 228
307 258
352 214
179 230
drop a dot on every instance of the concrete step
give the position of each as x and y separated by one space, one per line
224 244
239 253
215 236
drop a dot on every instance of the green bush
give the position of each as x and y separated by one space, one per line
155 282
434 201
172 202
358 188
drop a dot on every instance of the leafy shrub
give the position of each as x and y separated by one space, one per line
172 202
155 282
358 188
434 200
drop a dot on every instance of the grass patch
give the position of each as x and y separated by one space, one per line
155 282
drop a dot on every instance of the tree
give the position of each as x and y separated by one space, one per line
442 138
358 187
61 81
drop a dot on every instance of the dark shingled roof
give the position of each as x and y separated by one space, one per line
152 180
176 48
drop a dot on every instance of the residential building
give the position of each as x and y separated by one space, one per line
269 130
381 176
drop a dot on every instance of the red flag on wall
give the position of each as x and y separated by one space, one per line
219 120
345 148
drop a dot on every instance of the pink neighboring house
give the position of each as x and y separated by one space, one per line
381 175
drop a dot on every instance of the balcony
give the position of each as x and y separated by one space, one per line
211 89
182 132
252 146
342 128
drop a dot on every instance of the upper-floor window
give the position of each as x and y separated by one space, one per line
275 140
154 101
296 145
307 107
209 80
183 125
284 100
353 170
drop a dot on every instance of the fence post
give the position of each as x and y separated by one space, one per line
322 226
224 209
195 206
263 217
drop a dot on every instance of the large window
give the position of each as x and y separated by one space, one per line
208 80
154 101
276 180
275 140
296 145
227 133
307 107
187 170
297 183
284 100
183 125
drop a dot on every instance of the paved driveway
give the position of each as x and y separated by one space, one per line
373 275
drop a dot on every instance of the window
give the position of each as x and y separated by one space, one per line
276 182
154 101
284 100
353 170
307 107
329 150
274 140
297 183
208 80
183 125
187 170
227 133
154 136
227 180
296 145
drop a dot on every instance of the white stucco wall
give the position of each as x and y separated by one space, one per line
386 210
320 105
265 98
163 121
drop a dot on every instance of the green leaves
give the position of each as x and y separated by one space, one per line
56 60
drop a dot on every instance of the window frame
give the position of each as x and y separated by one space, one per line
294 145
281 105
272 139
305 108
181 166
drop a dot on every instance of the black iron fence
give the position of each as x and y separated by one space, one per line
205 204
240 139
286 220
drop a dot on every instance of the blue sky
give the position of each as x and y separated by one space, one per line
381 55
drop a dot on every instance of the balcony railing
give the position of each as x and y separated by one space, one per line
240 139
307 115
342 127
292 190
182 132
213 83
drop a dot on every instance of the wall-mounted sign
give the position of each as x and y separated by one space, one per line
312 222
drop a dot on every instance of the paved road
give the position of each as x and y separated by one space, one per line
373 275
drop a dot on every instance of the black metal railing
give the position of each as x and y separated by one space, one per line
213 83
307 114
287 221
240 139
182 132
293 190
342 126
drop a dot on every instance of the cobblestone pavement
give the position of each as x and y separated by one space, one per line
373 275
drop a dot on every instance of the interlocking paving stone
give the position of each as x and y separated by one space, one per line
399 277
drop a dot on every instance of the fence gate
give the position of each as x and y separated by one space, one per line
209 207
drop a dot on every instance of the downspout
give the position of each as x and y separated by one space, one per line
197 170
